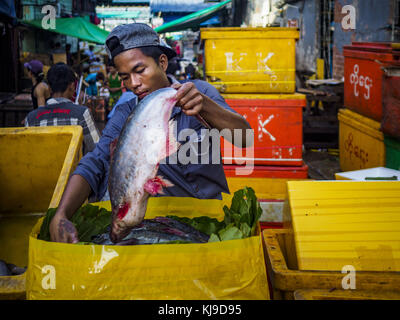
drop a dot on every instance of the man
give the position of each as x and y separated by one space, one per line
40 90
90 54
91 83
61 111
70 59
142 62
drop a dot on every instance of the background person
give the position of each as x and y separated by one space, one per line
61 111
40 90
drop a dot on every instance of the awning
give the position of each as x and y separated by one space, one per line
75 27
192 20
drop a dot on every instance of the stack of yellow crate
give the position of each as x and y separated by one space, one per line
254 70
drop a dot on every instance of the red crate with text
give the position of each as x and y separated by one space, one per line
363 74
277 121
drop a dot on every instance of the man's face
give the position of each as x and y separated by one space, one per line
113 70
140 73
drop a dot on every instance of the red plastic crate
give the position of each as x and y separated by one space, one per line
271 225
277 121
363 76
390 123
270 172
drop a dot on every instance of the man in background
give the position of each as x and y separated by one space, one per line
40 90
61 111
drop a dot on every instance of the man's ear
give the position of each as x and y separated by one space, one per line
163 62
71 86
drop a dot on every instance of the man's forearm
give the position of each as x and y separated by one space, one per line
220 118
75 194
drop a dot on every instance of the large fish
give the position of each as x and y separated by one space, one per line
144 141
157 230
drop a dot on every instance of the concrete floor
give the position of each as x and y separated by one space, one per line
321 165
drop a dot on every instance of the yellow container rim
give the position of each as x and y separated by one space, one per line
361 123
262 96
76 133
249 33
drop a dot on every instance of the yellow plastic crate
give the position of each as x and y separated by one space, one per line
361 144
35 164
250 60
340 223
220 270
345 295
286 279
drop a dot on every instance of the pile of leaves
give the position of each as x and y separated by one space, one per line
89 221
240 219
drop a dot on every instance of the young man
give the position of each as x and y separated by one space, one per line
142 62
61 111
40 90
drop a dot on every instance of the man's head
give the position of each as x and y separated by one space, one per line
62 79
140 57
112 69
100 76
35 68
91 47
68 47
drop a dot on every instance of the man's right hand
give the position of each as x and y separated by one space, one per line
63 230
75 194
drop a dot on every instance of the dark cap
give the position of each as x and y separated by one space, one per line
134 35
35 66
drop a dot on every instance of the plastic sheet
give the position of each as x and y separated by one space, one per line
221 270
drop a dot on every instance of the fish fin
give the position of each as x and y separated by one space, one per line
113 145
155 186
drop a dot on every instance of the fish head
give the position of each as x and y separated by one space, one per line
127 215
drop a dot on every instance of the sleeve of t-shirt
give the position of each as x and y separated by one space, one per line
90 78
94 166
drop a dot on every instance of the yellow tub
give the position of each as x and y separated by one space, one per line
250 60
220 270
361 144
35 164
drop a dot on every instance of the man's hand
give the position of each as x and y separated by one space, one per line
210 113
63 230
188 98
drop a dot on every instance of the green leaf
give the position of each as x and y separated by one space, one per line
230 233
214 238
228 214
90 221
44 233
244 227
204 224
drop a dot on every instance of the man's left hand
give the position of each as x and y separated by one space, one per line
188 98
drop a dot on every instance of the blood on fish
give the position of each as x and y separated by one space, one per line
123 210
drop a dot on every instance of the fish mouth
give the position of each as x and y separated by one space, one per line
118 231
